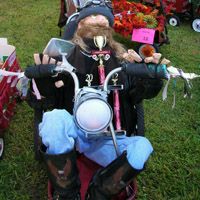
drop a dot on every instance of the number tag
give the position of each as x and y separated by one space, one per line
143 35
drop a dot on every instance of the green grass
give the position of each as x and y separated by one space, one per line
173 171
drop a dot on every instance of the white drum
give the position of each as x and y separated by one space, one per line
92 112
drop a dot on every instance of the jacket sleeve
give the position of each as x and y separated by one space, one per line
143 88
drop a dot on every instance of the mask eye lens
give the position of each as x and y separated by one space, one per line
97 2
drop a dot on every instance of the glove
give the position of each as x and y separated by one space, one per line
40 71
44 67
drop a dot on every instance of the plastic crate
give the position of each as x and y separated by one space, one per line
8 85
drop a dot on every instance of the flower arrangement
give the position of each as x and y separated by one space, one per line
129 15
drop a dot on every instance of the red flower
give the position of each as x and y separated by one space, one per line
126 16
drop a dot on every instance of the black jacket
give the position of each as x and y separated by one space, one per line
135 88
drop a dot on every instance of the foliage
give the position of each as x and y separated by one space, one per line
173 171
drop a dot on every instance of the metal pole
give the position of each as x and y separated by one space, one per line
114 139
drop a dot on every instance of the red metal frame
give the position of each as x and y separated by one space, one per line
181 6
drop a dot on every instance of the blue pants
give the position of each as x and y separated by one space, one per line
60 134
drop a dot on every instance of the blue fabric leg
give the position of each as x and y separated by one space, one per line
58 131
103 152
138 152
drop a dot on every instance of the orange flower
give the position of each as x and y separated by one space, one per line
147 50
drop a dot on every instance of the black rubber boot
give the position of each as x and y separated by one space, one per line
63 175
111 180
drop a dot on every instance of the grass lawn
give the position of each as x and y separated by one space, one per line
173 171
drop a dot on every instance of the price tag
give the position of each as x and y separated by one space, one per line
143 35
